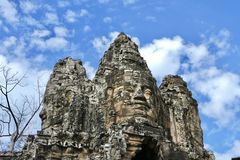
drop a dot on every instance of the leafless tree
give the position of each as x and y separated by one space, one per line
15 116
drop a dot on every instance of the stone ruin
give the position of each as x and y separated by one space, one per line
119 115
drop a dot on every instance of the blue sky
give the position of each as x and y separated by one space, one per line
198 40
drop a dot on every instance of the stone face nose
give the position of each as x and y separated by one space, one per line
138 95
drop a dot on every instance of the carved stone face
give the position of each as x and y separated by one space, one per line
134 97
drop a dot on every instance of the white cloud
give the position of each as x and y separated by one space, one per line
38 43
221 40
128 2
216 84
41 33
53 43
87 28
2 26
56 43
219 43
107 19
136 40
208 147
197 63
63 3
10 41
12 46
28 6
70 16
231 153
8 11
180 54
3 60
90 70
198 54
113 35
20 49
51 18
49 8
39 58
61 31
84 12
28 20
100 43
163 56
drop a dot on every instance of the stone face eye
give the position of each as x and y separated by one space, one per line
129 89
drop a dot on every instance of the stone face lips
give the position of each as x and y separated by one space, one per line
120 114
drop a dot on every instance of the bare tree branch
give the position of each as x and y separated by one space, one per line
9 118
36 110
16 117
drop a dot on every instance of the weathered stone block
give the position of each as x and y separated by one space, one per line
120 115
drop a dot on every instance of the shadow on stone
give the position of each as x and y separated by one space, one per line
177 155
148 152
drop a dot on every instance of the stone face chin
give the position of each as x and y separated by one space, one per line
120 115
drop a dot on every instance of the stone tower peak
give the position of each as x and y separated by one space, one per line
68 65
122 37
125 41
122 54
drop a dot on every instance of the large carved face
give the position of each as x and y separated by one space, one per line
134 97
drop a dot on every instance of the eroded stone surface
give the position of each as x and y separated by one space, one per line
120 115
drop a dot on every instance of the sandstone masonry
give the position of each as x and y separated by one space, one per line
120 115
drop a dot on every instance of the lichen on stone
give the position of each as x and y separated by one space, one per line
119 115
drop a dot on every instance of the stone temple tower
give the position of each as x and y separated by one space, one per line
119 115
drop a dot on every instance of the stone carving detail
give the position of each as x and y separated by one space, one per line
120 115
